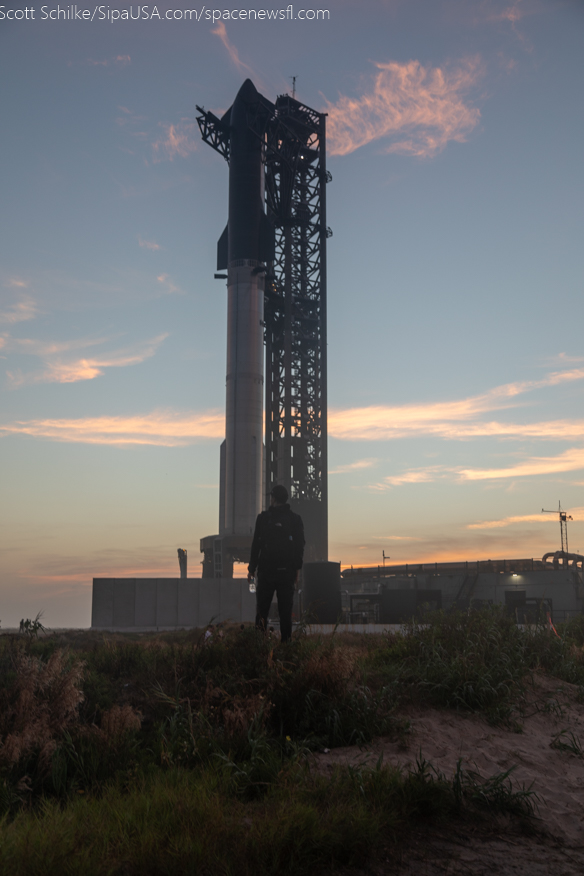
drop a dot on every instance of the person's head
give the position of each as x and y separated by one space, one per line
278 495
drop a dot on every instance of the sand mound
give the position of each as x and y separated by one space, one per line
442 737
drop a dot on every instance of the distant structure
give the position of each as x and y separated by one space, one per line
182 562
531 590
563 518
274 251
370 599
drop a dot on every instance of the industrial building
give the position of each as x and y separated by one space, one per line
532 590
369 598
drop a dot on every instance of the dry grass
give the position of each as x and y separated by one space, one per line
41 705
118 721
330 669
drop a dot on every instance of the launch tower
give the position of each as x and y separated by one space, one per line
274 251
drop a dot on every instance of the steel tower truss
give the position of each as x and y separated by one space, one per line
295 315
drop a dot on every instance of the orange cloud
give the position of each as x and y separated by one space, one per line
20 311
569 460
160 428
180 139
513 15
59 371
148 244
169 286
394 538
575 513
446 419
16 283
354 466
560 430
417 109
221 32
564 359
413 476
34 347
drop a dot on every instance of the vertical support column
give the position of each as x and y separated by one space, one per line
323 341
244 398
285 442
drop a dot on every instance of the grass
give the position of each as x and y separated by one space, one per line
566 740
184 821
168 754
479 661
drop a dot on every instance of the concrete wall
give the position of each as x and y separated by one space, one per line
169 603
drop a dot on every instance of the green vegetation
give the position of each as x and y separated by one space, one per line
566 740
479 661
182 821
170 753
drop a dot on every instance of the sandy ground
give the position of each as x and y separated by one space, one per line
441 737
479 854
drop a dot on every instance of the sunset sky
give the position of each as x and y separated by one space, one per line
456 316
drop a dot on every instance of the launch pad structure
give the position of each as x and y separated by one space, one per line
274 252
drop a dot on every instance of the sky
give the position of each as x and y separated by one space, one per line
455 280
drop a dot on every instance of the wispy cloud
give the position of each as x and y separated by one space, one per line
563 359
394 538
512 14
16 283
59 370
168 285
160 428
129 118
575 513
45 349
447 419
414 110
354 466
179 140
414 476
19 311
451 419
569 460
116 61
240 65
148 244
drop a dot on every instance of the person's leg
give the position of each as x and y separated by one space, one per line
265 588
285 591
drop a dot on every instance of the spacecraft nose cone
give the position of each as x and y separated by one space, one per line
247 92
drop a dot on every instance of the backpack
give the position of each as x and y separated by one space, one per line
277 539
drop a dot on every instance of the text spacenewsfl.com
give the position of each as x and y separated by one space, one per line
152 13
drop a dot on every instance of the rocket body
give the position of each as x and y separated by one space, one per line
242 252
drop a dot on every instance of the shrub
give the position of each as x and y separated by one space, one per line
38 707
473 661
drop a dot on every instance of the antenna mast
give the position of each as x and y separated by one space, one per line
563 524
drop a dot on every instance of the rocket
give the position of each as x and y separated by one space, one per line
244 248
